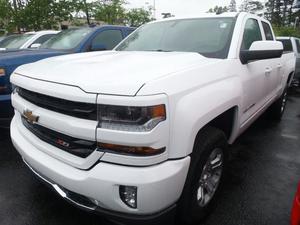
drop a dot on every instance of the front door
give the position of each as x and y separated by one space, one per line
253 74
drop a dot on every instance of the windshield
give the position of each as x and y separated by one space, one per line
67 39
15 41
210 37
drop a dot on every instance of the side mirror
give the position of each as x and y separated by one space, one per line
260 50
35 45
98 47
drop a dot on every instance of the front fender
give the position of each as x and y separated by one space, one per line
193 111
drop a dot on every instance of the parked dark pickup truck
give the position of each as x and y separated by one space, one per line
67 42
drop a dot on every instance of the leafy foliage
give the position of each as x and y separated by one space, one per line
232 6
251 6
280 12
137 17
5 13
218 9
24 15
286 31
111 11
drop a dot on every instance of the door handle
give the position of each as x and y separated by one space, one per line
279 65
268 71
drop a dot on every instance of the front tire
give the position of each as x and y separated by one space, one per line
205 176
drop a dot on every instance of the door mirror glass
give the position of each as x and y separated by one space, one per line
35 45
260 50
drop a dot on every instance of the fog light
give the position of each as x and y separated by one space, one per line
128 195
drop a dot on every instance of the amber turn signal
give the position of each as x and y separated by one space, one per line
2 72
158 111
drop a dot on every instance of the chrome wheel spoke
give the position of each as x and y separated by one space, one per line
210 177
210 187
284 100
216 163
200 195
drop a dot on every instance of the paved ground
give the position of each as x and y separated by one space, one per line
262 180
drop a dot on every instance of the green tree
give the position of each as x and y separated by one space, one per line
63 10
45 14
5 14
87 8
280 12
111 11
232 6
218 9
138 17
17 13
37 14
251 6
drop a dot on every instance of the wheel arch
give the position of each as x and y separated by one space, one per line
290 78
226 122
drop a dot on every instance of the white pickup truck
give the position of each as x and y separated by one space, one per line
136 131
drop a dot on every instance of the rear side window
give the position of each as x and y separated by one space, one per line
252 33
287 45
298 45
108 38
268 31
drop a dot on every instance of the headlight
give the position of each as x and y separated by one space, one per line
133 119
2 72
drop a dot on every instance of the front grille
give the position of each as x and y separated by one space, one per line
75 109
78 147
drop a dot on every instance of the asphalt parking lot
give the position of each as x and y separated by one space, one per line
263 173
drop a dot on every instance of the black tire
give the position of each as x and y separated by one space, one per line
277 109
189 209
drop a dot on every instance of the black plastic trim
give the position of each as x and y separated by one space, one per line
247 55
76 109
74 146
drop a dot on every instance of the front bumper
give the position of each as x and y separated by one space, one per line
159 186
85 204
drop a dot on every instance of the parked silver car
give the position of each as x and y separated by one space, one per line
292 44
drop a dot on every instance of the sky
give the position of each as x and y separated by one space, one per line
180 7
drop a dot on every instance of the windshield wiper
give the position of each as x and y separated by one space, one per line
158 50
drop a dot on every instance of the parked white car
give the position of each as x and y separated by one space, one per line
26 40
292 44
135 131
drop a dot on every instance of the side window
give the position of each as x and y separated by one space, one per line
268 31
43 39
251 34
287 45
298 45
108 38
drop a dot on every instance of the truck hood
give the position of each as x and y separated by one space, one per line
19 57
111 72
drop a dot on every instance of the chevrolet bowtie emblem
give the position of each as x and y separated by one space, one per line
30 117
